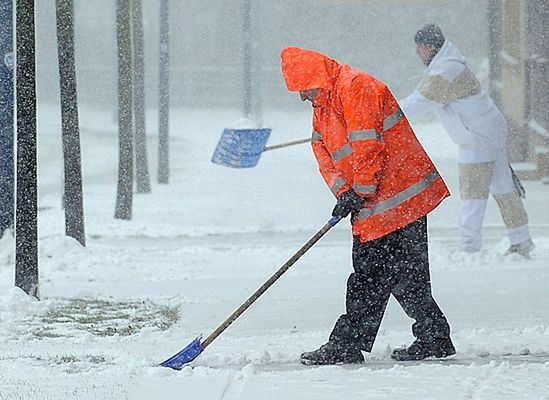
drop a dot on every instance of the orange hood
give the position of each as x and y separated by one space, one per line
306 69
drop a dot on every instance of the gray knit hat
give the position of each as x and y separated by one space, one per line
430 34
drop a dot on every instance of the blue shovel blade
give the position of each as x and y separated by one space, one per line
240 148
185 356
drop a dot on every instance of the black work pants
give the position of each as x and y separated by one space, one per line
396 264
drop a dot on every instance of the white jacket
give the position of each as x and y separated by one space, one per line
466 111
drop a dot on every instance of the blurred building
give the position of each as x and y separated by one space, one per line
519 60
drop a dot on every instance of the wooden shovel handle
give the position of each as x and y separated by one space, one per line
278 146
270 281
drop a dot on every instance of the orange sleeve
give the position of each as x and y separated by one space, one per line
362 107
327 169
331 176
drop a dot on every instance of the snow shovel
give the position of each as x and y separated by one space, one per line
242 148
197 346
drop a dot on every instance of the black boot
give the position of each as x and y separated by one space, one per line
332 353
420 350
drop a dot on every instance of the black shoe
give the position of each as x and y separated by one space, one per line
420 350
332 353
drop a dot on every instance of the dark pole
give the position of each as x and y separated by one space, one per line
7 179
164 95
494 48
141 164
257 106
74 204
124 198
26 220
247 31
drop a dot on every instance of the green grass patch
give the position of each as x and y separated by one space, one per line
101 317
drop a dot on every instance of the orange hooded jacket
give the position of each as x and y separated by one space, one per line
362 141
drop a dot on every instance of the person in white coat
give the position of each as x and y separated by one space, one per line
476 125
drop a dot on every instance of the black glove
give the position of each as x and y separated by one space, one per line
346 202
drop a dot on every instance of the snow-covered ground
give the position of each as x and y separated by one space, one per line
197 248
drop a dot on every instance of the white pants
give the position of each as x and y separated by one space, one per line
478 180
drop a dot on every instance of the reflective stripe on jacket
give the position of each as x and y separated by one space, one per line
362 141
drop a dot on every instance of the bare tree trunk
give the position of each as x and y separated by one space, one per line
164 95
7 181
26 220
124 196
74 204
141 163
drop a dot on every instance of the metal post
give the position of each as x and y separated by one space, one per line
164 94
247 33
494 49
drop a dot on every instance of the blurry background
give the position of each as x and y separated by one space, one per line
207 44
504 41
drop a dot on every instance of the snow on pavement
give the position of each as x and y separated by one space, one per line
198 247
